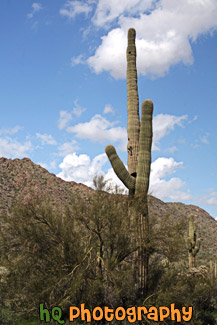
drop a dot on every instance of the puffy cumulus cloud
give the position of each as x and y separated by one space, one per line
163 124
100 129
161 185
10 148
111 54
73 8
80 168
46 139
35 8
165 29
162 167
164 188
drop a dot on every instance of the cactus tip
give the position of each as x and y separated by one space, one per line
148 105
131 34
109 149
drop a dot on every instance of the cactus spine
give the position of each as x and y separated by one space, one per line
136 178
192 243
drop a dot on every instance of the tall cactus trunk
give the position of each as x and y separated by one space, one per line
142 185
133 124
192 243
136 178
191 261
143 240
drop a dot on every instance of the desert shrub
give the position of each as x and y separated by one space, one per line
86 254
42 251
64 258
187 288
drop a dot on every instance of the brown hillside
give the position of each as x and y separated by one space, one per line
21 179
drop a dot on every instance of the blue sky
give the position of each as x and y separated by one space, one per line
63 89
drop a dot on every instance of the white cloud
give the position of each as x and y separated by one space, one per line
46 139
50 166
78 110
164 33
77 60
195 118
80 168
181 141
108 109
30 15
67 148
195 145
204 139
35 8
163 188
113 179
162 167
172 149
111 55
100 129
209 199
163 124
73 8
108 11
212 201
10 131
10 148
64 119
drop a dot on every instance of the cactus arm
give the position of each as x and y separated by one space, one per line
133 123
119 168
192 229
196 248
145 142
188 243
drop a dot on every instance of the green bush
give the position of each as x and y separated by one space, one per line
86 254
64 258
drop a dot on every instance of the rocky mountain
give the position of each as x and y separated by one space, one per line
20 179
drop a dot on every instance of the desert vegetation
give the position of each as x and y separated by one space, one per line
86 254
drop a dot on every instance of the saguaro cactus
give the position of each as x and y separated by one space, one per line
136 178
192 243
